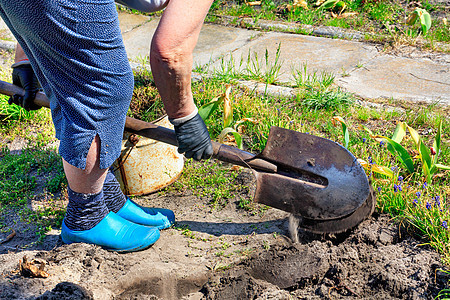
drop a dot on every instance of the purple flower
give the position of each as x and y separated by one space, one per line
415 202
425 185
400 178
394 168
379 189
436 201
418 194
364 140
428 205
399 187
444 224
382 143
395 188
370 160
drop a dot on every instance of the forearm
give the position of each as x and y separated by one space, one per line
171 54
172 74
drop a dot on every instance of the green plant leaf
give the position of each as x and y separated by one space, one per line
400 152
237 136
425 19
344 129
206 110
420 14
415 135
425 155
442 167
437 142
412 18
426 172
400 132
238 139
329 4
227 108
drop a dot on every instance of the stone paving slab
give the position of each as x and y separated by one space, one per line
400 78
129 22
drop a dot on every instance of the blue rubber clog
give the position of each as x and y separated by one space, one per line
158 217
113 233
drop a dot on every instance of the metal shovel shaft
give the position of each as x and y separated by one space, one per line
221 152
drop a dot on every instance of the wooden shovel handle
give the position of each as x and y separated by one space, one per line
221 152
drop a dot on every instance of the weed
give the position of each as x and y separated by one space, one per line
327 99
266 245
303 78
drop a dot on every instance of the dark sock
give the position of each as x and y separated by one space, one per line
113 195
84 211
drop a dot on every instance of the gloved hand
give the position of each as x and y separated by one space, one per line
193 137
24 77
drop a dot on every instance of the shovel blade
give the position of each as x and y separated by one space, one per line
316 178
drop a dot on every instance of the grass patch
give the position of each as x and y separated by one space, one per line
208 179
20 175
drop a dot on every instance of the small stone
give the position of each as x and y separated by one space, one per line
385 237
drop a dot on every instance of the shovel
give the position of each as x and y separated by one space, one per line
311 177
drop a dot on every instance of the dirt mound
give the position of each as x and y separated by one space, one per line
373 262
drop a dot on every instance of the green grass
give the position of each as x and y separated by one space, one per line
18 182
208 179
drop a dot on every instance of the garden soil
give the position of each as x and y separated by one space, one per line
226 254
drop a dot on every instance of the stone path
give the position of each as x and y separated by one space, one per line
359 67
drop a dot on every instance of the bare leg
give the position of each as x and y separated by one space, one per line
90 180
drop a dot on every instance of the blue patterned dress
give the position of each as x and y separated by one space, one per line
76 50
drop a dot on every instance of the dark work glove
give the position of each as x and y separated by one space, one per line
24 77
193 138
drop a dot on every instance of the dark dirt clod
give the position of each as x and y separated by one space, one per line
67 291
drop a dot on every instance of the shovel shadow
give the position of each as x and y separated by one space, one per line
234 228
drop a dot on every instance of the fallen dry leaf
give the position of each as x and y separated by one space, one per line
236 168
346 15
29 269
319 2
252 3
301 3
